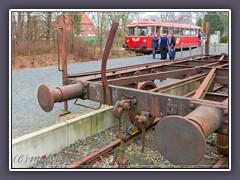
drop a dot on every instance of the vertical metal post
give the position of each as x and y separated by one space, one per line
64 59
201 49
207 44
190 49
215 47
227 48
181 49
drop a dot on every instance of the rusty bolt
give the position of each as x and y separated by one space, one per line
191 105
126 105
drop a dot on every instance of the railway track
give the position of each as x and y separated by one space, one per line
105 157
97 152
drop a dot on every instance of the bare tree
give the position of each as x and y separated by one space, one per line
100 20
48 26
18 23
123 18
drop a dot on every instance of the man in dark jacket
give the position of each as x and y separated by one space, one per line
172 40
172 43
163 44
154 45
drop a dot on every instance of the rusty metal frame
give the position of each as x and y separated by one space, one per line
134 85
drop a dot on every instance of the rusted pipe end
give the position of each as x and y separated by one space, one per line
179 140
45 98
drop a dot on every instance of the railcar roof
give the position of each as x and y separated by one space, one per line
156 23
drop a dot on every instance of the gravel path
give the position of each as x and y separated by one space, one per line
27 115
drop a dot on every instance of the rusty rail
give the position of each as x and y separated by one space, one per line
105 151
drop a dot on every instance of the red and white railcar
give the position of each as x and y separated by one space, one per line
139 34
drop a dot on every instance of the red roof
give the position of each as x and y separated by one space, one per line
156 23
87 27
85 19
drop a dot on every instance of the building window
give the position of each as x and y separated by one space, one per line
84 28
90 28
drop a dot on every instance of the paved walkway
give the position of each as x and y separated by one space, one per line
27 116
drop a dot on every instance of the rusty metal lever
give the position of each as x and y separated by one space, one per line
107 93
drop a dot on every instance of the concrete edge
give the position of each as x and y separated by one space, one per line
27 149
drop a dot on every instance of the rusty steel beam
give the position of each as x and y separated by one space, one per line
221 80
146 65
153 76
218 88
223 65
182 84
215 97
158 68
202 90
173 84
219 71
147 70
221 58
190 93
153 102
211 64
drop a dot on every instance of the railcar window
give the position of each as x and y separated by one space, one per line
141 31
158 30
165 30
186 32
193 32
176 31
170 29
151 30
180 31
130 31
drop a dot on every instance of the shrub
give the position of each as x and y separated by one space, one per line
224 39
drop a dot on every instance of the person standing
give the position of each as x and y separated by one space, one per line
163 44
199 39
172 43
154 45
172 40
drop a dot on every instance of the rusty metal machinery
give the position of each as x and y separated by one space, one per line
189 108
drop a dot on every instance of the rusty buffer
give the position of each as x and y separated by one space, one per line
181 140
190 108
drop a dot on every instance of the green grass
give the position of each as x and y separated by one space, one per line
90 40
217 45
